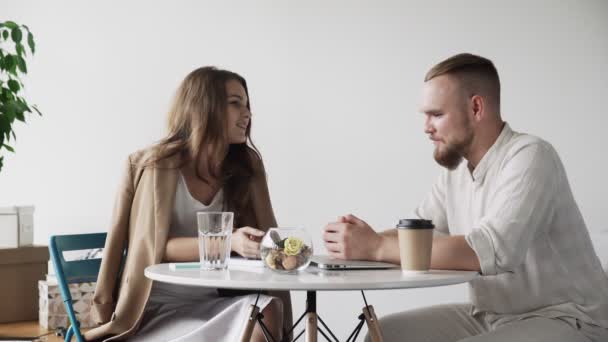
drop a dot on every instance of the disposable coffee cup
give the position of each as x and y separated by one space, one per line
415 244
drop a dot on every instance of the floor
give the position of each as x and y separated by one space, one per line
27 329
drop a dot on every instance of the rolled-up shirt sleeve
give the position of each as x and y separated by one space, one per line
522 202
433 207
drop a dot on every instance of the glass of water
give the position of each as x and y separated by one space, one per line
214 232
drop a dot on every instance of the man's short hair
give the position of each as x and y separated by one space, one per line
476 74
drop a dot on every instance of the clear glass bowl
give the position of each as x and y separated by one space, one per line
286 250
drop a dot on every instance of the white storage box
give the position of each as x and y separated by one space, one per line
17 226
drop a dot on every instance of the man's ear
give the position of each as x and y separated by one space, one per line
478 107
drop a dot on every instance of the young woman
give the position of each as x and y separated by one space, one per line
207 162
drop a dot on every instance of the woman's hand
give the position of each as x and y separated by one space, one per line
246 242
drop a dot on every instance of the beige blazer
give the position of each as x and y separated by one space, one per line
141 221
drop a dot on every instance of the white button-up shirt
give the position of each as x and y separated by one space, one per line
518 214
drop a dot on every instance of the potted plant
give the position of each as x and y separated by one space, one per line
13 41
16 222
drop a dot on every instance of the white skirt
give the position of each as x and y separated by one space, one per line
200 317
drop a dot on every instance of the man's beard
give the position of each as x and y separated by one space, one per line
452 154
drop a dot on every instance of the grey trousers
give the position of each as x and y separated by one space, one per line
452 323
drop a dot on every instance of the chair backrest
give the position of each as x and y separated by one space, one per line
75 271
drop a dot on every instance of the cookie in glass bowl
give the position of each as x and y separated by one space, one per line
286 250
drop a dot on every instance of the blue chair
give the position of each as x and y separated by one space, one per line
76 271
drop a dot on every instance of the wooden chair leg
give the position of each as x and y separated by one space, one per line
372 324
311 327
249 324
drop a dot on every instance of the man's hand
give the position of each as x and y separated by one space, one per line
351 238
246 242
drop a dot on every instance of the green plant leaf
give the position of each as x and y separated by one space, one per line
20 49
9 62
9 148
8 131
2 140
1 163
30 42
36 109
16 34
5 125
5 34
5 135
24 105
21 64
13 110
6 95
16 107
13 85
10 24
9 113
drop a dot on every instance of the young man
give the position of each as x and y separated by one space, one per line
502 206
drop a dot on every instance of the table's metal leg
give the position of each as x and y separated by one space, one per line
311 316
267 334
335 339
355 333
311 323
290 331
252 317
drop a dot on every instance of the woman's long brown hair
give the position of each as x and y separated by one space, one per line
198 132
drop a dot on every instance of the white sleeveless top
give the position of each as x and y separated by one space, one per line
183 217
184 224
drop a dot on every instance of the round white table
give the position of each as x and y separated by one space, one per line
311 280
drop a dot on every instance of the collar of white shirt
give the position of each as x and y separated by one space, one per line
480 171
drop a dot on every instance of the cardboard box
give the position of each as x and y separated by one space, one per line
52 312
20 270
17 226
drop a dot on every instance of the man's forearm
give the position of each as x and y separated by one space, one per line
389 247
453 253
449 252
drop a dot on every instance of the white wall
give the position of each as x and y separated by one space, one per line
334 88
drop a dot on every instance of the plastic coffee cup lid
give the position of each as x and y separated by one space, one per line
415 224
